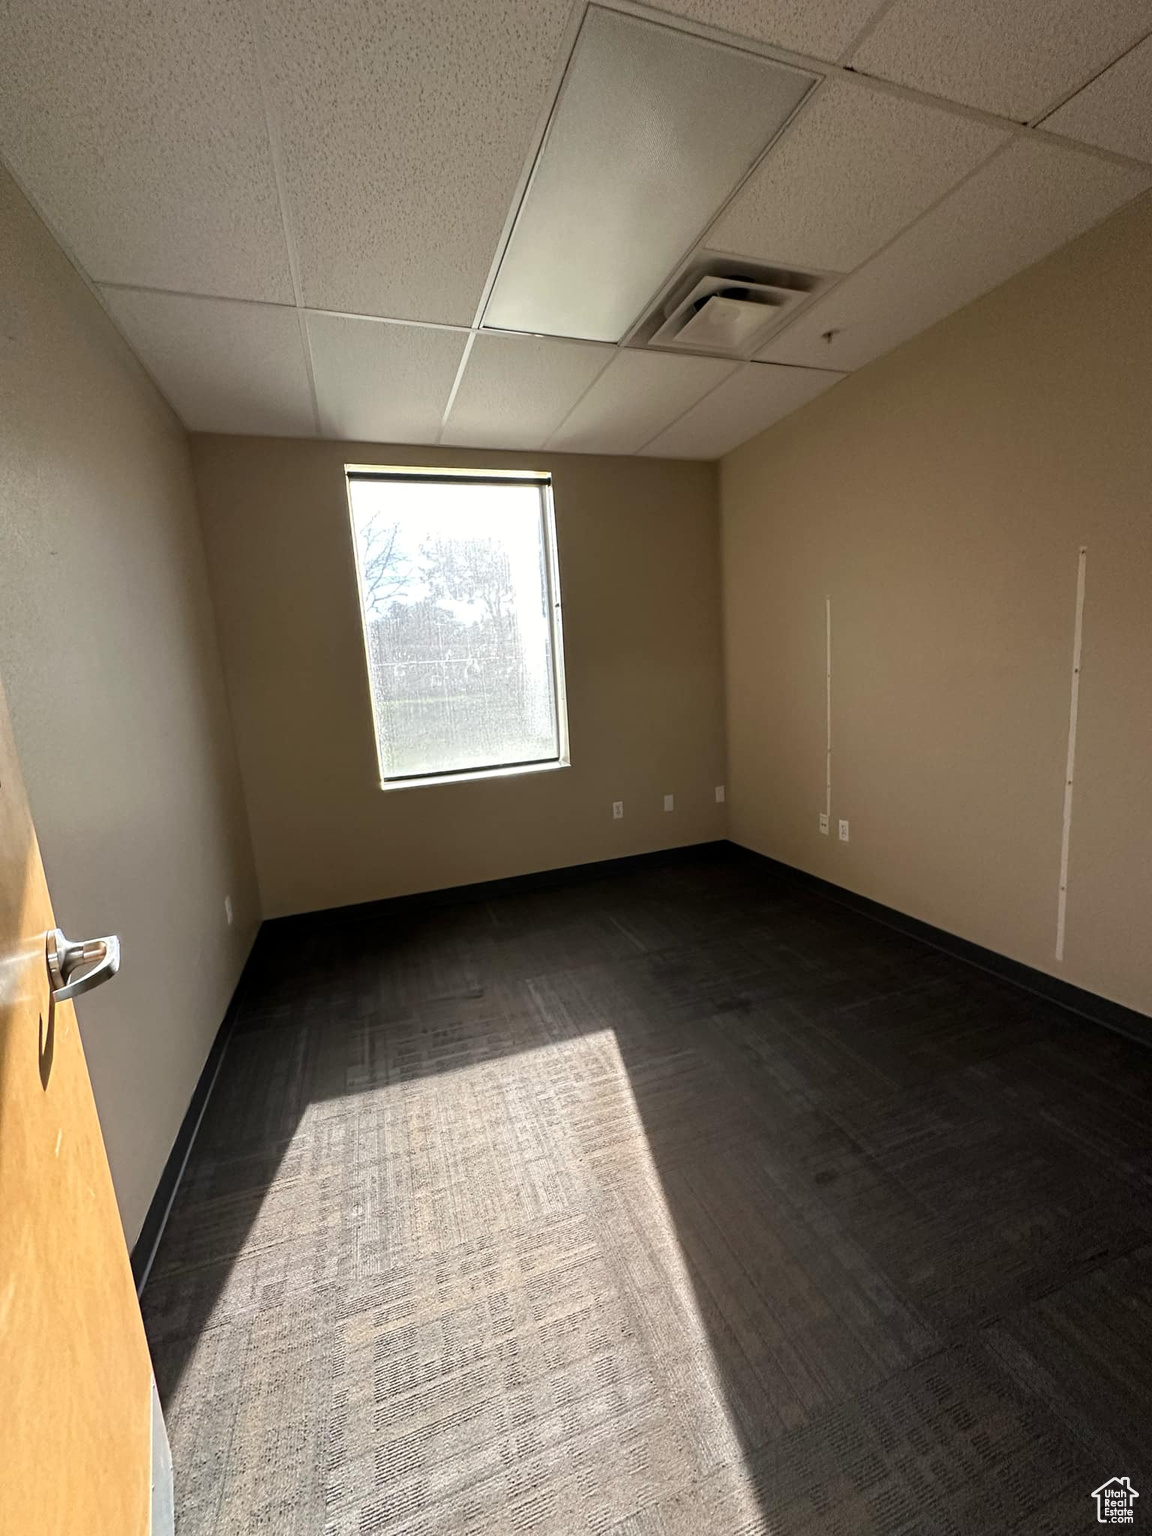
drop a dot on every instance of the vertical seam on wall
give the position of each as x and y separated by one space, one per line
828 707
1070 764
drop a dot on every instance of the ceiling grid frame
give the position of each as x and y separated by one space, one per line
1062 101
490 373
619 352
669 426
305 309
535 147
821 68
1025 121
842 68
581 397
927 213
888 244
866 30
276 153
456 383
833 376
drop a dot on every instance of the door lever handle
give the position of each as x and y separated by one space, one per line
64 957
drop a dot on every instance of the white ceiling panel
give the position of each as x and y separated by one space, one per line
138 128
404 128
853 168
652 130
823 28
1026 202
754 397
224 366
383 383
516 390
1014 57
1115 111
636 395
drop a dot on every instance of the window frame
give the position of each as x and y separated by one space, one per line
449 476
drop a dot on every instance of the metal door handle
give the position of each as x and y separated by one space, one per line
64 957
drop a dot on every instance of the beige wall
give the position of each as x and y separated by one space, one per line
940 497
109 660
639 565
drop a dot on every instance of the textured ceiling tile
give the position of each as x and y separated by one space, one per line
1115 111
382 383
1024 204
516 390
405 125
850 172
636 395
138 128
823 28
751 399
1014 57
224 366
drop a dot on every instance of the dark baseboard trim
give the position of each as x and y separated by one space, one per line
152 1230
481 890
1101 1010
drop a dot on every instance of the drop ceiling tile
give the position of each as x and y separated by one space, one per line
139 131
854 167
225 366
636 395
1114 111
516 390
1025 203
382 383
754 397
651 132
823 28
1014 57
404 128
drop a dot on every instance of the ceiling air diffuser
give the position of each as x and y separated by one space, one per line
720 315
724 307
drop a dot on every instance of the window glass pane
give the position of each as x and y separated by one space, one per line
457 623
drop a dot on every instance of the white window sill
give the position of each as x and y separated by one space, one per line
468 775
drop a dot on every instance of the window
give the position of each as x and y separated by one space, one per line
461 607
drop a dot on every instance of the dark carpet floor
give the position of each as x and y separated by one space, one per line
672 1203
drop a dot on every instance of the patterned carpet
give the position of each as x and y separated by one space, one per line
672 1203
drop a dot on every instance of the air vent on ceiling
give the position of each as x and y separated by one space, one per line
724 307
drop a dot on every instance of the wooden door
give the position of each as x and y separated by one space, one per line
75 1376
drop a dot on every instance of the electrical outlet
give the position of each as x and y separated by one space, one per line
843 831
228 909
669 803
617 809
719 794
824 823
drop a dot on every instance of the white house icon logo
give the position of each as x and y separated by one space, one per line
1114 1501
